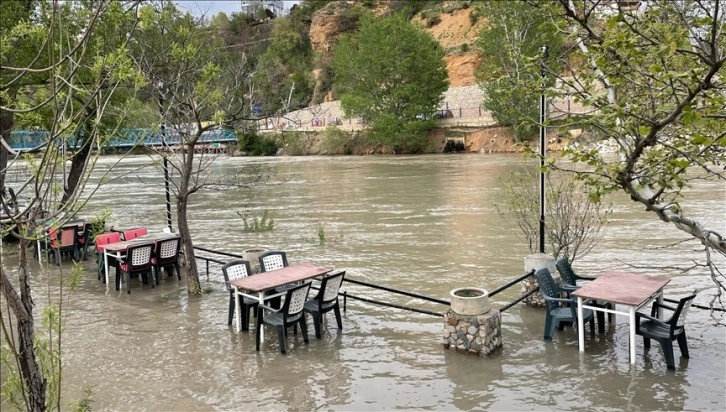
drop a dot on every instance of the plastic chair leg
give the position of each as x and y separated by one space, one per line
683 344
317 324
128 282
338 319
281 338
549 328
230 313
304 329
667 346
600 322
646 342
245 313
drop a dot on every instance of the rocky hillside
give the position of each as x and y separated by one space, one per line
449 25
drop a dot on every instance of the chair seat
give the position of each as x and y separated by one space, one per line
312 306
565 314
276 319
657 330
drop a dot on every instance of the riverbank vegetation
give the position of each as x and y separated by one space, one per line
651 78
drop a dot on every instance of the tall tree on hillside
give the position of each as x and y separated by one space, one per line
200 86
51 72
391 73
284 71
653 75
510 45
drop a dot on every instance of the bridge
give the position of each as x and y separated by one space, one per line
34 140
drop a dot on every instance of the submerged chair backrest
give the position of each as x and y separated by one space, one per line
294 304
548 287
167 250
129 234
272 260
106 238
679 316
68 237
330 286
236 269
138 257
567 275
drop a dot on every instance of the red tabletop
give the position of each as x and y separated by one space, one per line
622 287
279 277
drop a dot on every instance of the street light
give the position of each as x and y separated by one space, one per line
165 161
542 151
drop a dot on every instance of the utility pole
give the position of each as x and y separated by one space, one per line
542 151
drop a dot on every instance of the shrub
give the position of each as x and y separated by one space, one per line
334 141
254 144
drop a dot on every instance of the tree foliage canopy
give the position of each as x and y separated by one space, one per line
391 73
511 42
653 77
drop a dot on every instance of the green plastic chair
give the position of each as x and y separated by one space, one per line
569 282
668 330
560 311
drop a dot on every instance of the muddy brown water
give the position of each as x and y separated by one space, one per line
425 224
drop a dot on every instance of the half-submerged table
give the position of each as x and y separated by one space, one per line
117 249
262 282
627 289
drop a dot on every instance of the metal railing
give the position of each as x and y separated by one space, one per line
347 295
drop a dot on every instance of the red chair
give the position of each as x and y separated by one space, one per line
104 239
137 261
66 244
132 234
166 254
129 234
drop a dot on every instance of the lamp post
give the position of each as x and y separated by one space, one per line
542 151
165 161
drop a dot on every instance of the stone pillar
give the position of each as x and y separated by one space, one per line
536 261
479 335
252 255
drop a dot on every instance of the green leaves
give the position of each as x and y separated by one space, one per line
510 72
389 74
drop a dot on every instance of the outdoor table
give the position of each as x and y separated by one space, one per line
262 282
116 250
627 289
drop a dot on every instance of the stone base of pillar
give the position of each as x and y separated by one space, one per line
479 335
536 261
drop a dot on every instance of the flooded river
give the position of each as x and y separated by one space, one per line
425 224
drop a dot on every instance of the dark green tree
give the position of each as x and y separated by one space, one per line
391 73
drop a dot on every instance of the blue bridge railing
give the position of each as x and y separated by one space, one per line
29 140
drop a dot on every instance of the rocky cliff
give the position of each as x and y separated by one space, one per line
452 29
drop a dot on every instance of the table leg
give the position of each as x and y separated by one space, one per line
580 326
105 269
261 298
237 314
659 314
632 335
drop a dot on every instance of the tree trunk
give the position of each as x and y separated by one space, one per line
22 307
190 263
79 159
